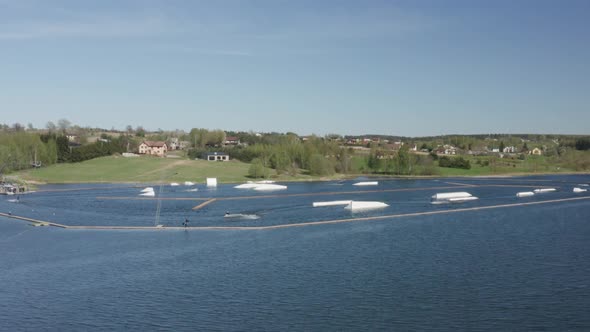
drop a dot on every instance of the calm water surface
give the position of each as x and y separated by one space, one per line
517 268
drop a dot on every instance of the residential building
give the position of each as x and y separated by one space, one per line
173 144
509 149
446 149
216 156
155 148
232 140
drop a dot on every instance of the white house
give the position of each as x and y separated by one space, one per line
509 149
216 156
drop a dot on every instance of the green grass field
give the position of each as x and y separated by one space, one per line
148 169
141 169
154 170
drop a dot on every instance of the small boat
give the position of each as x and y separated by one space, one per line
174 184
579 190
188 183
525 194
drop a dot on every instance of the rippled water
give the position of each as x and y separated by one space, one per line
514 268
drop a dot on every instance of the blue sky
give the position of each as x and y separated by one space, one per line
409 68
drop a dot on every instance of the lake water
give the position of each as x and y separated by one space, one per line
511 268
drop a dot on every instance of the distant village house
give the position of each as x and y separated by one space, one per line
509 149
216 156
154 148
231 140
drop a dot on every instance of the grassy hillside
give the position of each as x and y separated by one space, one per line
148 169
143 169
499 166
153 169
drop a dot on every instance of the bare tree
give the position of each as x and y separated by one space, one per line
63 124
51 126
18 127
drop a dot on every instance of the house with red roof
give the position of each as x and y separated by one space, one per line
154 148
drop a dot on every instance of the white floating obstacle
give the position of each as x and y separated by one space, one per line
253 184
331 203
265 182
249 185
188 183
579 190
366 183
364 205
443 196
147 189
462 199
241 216
454 197
269 186
211 182
525 194
544 190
